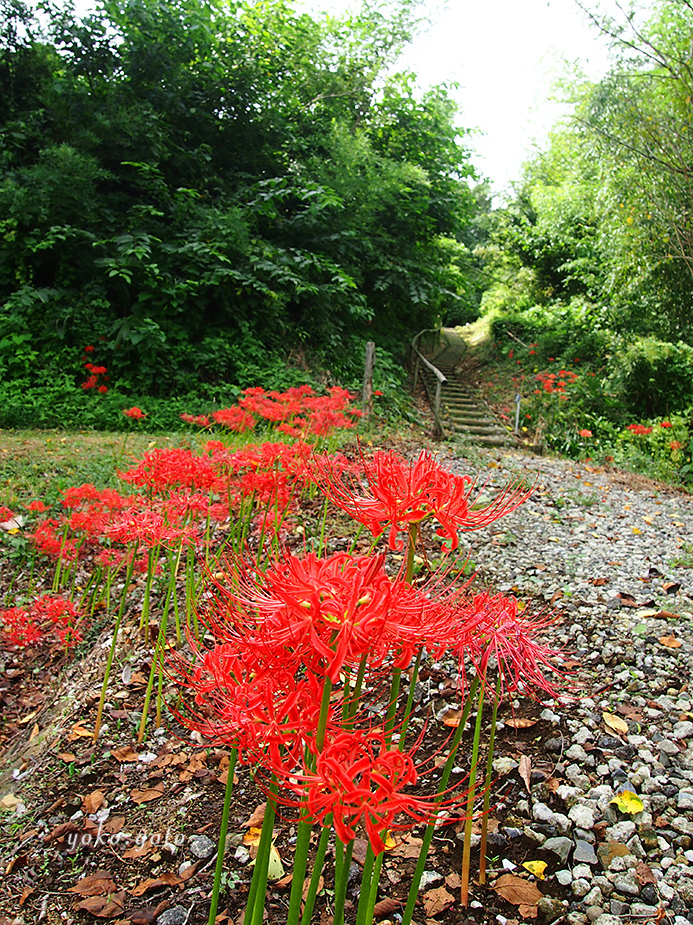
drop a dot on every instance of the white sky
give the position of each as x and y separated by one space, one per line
505 55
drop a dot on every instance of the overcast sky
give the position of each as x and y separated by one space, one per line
505 56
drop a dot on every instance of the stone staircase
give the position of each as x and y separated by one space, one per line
465 415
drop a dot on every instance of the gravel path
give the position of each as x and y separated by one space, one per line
614 555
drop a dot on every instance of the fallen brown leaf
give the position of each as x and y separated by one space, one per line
671 642
257 817
92 801
411 848
520 722
437 900
125 754
99 883
517 891
527 911
525 771
147 795
167 879
385 907
104 907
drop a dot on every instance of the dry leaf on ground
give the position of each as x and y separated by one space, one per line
167 879
147 795
437 900
105 907
615 723
517 891
671 642
99 883
525 771
257 817
385 907
520 722
92 801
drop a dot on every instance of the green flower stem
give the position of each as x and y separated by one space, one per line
411 546
222 838
317 871
410 700
442 787
373 892
487 784
299 874
355 695
157 663
255 907
341 879
324 712
392 708
111 653
467 848
366 887
144 618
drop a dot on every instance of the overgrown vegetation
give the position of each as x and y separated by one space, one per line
219 194
591 260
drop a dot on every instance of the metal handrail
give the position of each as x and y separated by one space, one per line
441 380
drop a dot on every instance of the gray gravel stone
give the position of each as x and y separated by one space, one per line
584 853
202 846
177 915
560 846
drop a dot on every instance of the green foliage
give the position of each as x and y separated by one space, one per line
199 187
657 377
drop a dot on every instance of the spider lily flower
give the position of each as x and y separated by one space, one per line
398 493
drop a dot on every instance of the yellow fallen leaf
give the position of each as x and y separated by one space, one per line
536 867
628 802
615 723
637 530
275 868
252 836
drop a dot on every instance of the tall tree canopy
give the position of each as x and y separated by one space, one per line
199 183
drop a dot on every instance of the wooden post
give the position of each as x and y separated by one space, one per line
367 402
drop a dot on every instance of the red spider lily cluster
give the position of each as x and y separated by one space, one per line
298 412
291 637
555 382
290 654
135 413
48 616
96 375
639 429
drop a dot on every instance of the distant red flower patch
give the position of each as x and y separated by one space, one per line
135 413
639 429
585 433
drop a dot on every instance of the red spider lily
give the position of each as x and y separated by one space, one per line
259 705
18 628
398 493
585 433
360 778
48 541
235 418
502 633
149 529
201 420
135 413
676 445
38 507
639 429
665 424
5 514
163 468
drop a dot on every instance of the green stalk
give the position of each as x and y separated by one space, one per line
467 850
392 708
373 892
255 908
410 700
317 871
300 863
222 838
366 887
341 879
442 787
487 784
109 660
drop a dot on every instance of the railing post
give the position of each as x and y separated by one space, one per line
416 373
